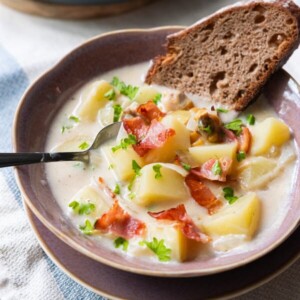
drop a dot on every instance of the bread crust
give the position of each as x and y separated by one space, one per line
173 52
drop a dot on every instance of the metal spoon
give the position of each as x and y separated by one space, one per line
15 159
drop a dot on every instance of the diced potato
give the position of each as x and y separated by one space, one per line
181 115
241 217
180 141
168 188
270 132
182 248
256 172
145 94
121 161
201 154
94 100
90 195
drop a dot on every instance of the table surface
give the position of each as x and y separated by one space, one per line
34 44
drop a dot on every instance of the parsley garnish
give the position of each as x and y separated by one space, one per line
121 242
117 112
111 166
187 167
158 247
82 208
84 146
131 195
216 168
66 127
126 142
126 90
207 129
136 168
240 155
156 169
235 126
229 195
222 110
117 189
87 228
74 118
110 95
251 119
157 98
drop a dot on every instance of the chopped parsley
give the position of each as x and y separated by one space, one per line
131 195
157 98
207 129
117 189
84 146
74 118
126 142
82 208
121 242
240 155
117 112
229 195
65 127
111 166
216 168
87 228
158 247
235 126
251 119
136 168
222 110
187 167
126 90
156 169
110 95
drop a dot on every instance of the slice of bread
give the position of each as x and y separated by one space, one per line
228 57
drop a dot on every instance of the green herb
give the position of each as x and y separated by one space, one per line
117 112
121 242
251 119
110 95
74 118
157 98
117 189
216 168
126 142
111 166
158 247
126 90
187 167
87 228
65 127
82 208
136 168
222 110
156 169
131 195
229 195
207 129
235 126
84 146
240 155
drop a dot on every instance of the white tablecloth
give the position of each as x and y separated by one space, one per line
28 46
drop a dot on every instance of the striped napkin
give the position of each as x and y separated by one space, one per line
28 46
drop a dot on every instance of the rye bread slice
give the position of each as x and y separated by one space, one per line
228 57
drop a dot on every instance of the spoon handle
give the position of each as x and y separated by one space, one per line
15 159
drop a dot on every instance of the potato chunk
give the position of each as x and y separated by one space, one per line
94 100
182 248
201 154
145 94
180 141
270 132
242 217
150 190
121 161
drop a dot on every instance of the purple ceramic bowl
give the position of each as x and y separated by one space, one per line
47 95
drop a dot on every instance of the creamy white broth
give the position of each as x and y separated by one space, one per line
66 179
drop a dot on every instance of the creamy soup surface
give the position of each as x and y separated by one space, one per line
199 182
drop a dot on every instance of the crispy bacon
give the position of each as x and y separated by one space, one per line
202 194
185 223
149 111
206 170
244 140
136 126
229 136
119 222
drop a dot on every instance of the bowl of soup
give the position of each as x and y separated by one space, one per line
186 188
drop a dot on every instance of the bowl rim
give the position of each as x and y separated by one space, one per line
125 267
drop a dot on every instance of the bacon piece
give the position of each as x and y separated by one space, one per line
136 126
229 136
202 194
206 170
185 223
149 111
119 222
244 140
